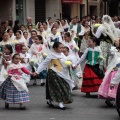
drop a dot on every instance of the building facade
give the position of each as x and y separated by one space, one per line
39 10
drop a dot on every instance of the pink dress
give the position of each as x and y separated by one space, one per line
18 72
104 90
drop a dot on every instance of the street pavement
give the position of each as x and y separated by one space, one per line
81 109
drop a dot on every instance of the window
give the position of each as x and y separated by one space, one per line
20 10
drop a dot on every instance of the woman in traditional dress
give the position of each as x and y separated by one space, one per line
58 26
104 91
65 25
6 40
46 28
53 37
11 34
108 35
25 34
92 75
58 83
84 44
19 41
42 32
14 90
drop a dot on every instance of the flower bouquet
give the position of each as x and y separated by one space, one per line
76 49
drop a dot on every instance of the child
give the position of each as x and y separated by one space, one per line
6 60
58 83
112 69
92 75
14 90
25 59
36 51
75 74
114 82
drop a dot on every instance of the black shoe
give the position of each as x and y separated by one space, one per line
22 108
109 103
6 105
62 108
75 88
118 111
42 84
34 83
50 104
88 95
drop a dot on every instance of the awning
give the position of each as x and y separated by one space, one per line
72 1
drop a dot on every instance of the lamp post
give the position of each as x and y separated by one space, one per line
105 6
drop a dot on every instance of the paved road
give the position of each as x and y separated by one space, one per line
82 108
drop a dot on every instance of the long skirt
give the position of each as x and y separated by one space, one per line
104 90
91 81
105 47
118 97
57 89
11 95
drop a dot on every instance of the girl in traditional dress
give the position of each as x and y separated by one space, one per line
76 73
70 43
114 82
92 75
14 90
36 51
58 83
112 69
6 59
25 59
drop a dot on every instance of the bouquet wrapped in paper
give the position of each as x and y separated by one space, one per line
45 55
15 42
32 62
76 49
68 63
101 57
76 39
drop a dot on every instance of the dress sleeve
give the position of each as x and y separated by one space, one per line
44 64
116 79
98 33
83 57
25 70
82 31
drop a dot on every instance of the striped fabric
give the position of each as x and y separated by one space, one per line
11 95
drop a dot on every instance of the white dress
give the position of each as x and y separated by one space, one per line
26 58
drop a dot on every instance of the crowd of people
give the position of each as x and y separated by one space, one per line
52 52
